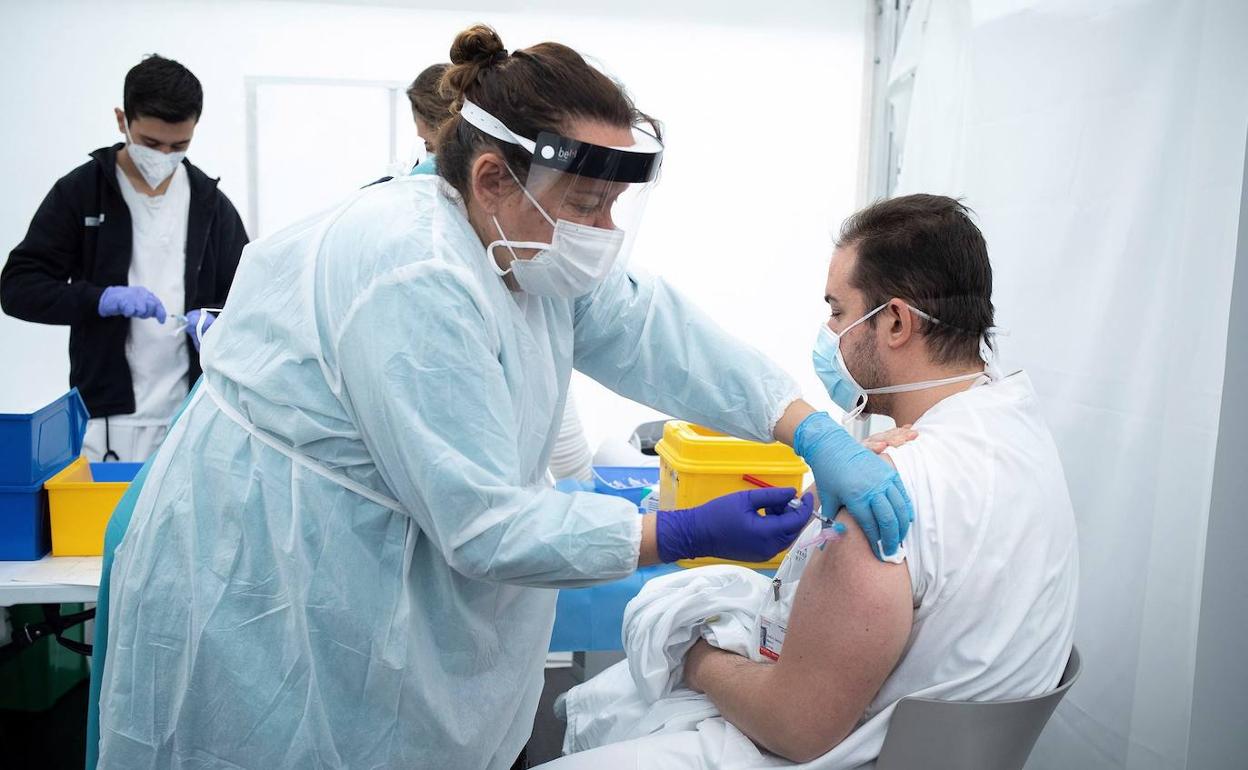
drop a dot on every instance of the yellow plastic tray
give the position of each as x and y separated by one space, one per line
79 508
698 464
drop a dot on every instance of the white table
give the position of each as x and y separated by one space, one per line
71 579
51 580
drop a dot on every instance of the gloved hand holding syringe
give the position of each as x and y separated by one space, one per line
831 530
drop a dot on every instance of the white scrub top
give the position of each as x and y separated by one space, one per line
992 555
263 615
157 355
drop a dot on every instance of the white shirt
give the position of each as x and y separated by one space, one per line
992 557
157 352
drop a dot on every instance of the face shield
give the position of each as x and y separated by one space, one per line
588 193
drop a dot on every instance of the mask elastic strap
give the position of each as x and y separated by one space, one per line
489 250
925 384
837 336
988 352
510 244
532 200
926 316
845 331
916 311
854 414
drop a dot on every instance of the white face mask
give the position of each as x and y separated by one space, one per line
154 165
576 260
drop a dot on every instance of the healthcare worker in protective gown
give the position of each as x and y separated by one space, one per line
344 552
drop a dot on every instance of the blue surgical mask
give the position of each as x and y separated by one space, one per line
830 366
845 390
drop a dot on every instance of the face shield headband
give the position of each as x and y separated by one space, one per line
638 164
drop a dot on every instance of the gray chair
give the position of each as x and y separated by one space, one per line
969 735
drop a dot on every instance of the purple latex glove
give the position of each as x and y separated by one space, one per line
729 527
131 302
192 325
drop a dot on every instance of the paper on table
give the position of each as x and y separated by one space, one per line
61 570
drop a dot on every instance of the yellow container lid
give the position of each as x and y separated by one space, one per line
690 448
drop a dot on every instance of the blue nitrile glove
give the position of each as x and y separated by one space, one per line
729 527
569 486
192 324
131 302
850 475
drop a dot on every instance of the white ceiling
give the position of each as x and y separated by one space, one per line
735 12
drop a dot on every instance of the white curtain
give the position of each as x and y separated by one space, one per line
1102 145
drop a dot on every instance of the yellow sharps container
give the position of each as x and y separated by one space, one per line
699 464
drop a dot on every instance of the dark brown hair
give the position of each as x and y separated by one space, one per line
925 250
428 101
163 89
541 88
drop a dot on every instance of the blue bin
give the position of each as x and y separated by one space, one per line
101 472
35 446
623 481
25 534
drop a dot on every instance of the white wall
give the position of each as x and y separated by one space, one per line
762 108
1102 145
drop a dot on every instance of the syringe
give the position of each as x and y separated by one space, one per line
794 504
830 532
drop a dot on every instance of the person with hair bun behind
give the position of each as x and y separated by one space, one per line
344 552
431 107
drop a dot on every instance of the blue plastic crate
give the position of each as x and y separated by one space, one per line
126 472
35 446
25 534
629 483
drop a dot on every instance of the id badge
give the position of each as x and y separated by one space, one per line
770 638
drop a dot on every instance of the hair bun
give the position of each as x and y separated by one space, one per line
479 44
475 50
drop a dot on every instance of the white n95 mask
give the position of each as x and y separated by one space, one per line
845 390
577 259
581 182
154 165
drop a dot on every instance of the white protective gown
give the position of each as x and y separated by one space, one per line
264 615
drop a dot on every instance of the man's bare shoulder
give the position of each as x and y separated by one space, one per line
850 623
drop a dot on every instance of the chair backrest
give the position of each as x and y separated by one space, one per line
969 735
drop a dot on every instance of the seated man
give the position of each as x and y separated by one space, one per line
979 604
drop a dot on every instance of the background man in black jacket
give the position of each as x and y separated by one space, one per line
128 250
